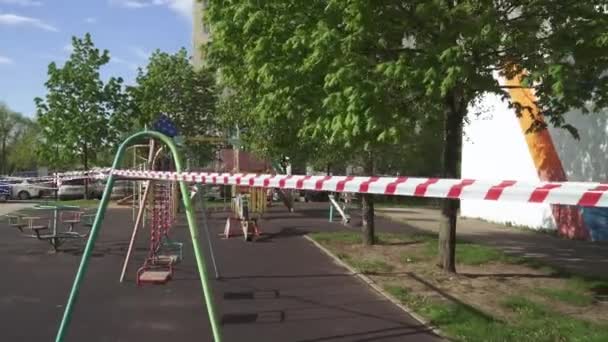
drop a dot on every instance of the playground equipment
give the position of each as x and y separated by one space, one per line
341 209
581 194
38 227
198 195
162 210
248 207
201 266
163 253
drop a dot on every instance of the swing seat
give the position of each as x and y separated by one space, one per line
154 277
167 259
154 274
173 250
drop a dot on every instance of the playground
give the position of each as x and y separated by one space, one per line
273 272
278 288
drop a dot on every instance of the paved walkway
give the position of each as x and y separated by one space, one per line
6 208
580 257
280 288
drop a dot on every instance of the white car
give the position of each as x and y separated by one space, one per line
74 189
25 189
121 188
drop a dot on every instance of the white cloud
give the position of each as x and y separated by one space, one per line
15 20
182 7
90 20
68 48
5 60
141 53
118 60
27 3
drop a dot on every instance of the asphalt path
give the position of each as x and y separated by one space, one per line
279 288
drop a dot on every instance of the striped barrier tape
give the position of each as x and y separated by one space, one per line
85 173
567 193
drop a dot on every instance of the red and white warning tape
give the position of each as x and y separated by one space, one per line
91 172
569 193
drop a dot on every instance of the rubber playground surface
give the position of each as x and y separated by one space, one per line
279 288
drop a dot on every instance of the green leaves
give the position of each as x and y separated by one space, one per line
13 126
170 84
80 114
354 75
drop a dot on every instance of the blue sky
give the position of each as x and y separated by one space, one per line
34 33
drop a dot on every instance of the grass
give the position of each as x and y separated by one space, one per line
407 202
351 237
515 318
534 322
458 320
337 237
567 296
530 321
90 203
468 253
366 266
409 258
370 266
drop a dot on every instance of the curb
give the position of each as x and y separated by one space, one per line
367 280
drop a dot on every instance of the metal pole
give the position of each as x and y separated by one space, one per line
141 212
140 215
133 201
201 198
82 268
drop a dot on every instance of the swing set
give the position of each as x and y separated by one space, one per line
163 252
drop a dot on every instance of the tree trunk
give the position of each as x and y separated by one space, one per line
367 208
85 163
454 111
3 165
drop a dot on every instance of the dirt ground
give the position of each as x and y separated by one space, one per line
481 286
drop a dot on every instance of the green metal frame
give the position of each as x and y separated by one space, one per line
84 262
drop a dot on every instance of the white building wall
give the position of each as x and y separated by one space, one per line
494 148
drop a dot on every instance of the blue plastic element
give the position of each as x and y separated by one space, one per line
5 191
596 221
166 126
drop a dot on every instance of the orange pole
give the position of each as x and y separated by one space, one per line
546 159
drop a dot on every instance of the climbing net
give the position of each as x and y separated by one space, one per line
163 252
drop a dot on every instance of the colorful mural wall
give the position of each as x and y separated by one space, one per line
550 155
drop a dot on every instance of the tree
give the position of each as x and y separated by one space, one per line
310 74
361 73
557 48
81 114
170 84
22 156
12 124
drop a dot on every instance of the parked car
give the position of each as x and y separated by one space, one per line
5 191
47 187
121 188
74 189
24 189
